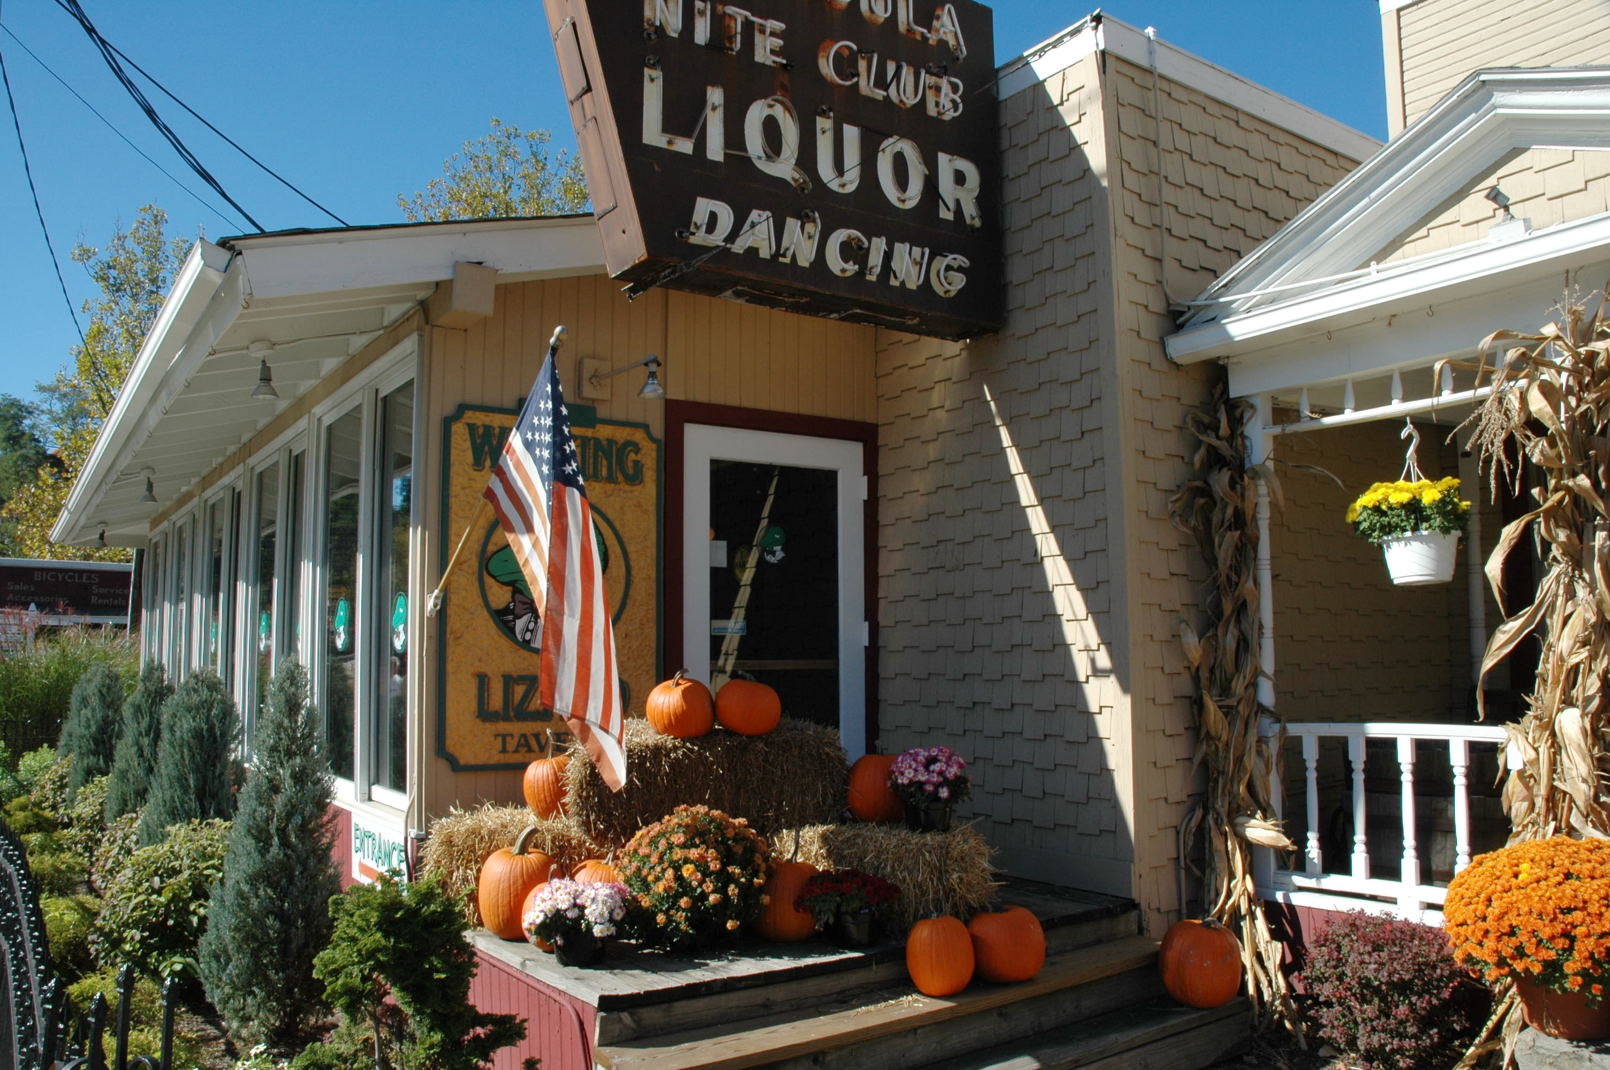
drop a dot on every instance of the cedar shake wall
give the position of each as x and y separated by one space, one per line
1228 181
1041 638
1545 187
721 352
1433 44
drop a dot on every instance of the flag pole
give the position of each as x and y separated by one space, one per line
434 603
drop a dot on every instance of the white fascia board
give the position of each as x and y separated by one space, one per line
160 369
1488 115
1394 5
1120 39
280 265
1411 283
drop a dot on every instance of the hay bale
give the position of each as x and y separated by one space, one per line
938 872
795 775
461 840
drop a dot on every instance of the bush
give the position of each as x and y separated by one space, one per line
398 965
197 772
84 824
145 1016
90 732
69 921
36 686
269 917
1388 992
155 906
135 759
117 845
56 871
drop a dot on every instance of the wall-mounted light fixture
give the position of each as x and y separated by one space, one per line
265 378
150 495
652 390
1501 199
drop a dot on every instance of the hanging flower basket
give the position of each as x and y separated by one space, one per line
1423 558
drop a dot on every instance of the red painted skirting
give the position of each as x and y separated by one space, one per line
559 1029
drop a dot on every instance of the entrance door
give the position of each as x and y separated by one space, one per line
773 570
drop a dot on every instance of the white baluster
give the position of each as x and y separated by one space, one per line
1459 761
1313 863
1409 878
1361 846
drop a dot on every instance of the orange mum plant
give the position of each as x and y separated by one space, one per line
1537 911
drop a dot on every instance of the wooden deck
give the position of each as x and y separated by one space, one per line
811 1004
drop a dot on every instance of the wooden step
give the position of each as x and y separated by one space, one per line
893 1026
1156 1035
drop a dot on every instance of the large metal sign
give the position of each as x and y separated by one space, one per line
833 157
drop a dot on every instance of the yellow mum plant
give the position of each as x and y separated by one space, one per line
1408 506
1538 911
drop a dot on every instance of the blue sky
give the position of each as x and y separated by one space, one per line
356 101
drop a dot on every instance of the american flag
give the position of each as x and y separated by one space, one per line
539 495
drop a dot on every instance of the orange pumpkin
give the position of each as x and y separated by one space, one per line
596 870
507 876
748 707
544 785
680 707
525 908
871 797
939 956
1200 962
779 920
1008 946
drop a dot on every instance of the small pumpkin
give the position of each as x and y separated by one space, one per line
544 785
748 707
680 707
871 797
596 871
780 920
939 956
1008 945
507 876
1200 962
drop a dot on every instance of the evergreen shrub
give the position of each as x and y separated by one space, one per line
1388 993
94 716
69 921
154 907
398 968
135 760
270 915
197 772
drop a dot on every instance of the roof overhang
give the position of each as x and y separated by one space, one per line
316 298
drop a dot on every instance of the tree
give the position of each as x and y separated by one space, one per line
135 759
90 732
133 272
22 454
506 173
196 773
269 917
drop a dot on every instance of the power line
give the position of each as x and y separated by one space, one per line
76 9
39 212
144 155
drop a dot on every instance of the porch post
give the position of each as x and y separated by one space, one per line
1475 579
1260 450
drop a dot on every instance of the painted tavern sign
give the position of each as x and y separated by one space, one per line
832 157
490 715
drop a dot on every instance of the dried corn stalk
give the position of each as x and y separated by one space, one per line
1218 507
1550 406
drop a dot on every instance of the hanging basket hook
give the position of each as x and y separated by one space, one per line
1411 466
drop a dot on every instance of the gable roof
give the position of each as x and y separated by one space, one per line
1489 115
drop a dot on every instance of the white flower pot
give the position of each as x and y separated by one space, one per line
1420 559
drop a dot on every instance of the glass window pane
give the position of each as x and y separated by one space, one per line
180 660
388 731
290 617
339 604
215 586
262 628
155 599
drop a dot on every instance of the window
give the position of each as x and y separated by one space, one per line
257 572
179 639
343 479
217 587
388 737
154 624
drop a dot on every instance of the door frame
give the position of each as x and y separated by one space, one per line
678 414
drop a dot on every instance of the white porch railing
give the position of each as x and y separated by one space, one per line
1335 807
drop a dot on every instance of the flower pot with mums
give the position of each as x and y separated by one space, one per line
1538 913
930 781
698 876
1416 521
575 918
845 903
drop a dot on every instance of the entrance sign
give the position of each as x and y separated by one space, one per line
378 846
832 157
490 715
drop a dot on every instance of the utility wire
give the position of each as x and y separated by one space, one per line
76 9
64 4
39 212
233 224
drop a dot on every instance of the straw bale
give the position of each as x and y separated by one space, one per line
794 775
462 839
938 872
